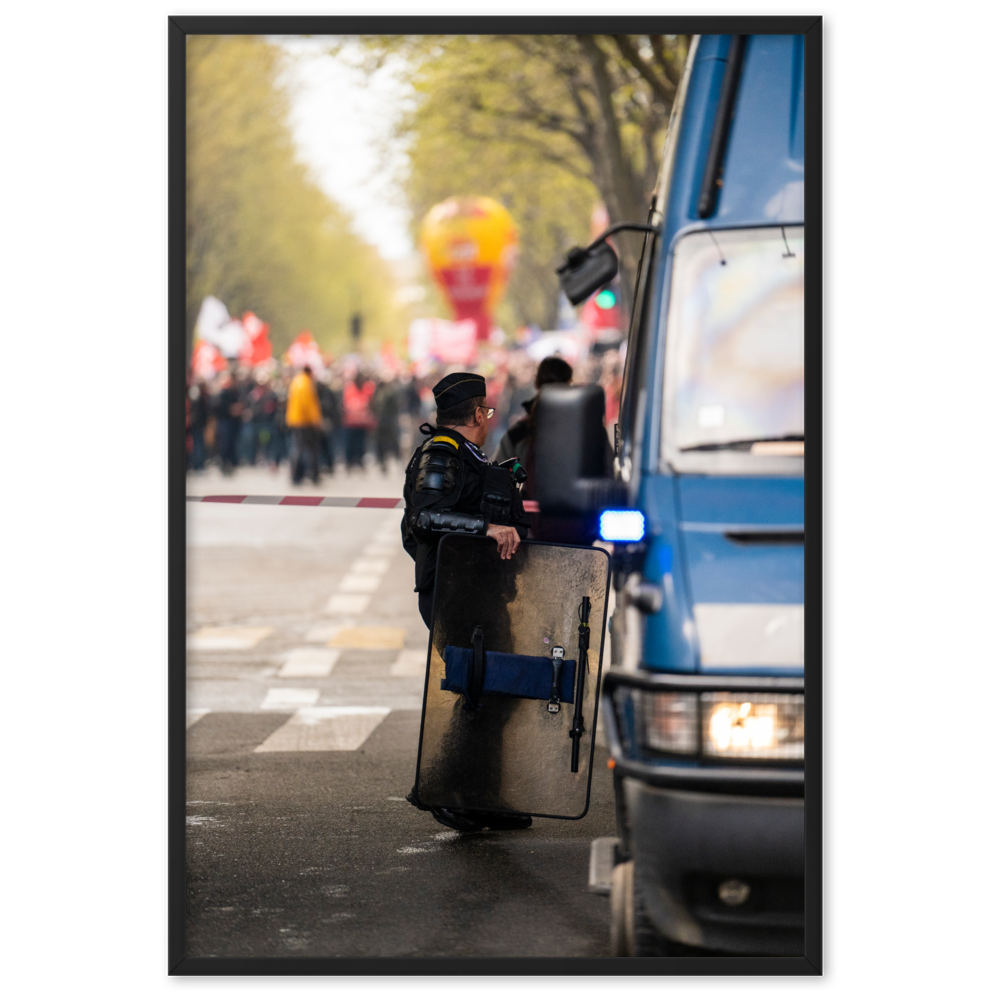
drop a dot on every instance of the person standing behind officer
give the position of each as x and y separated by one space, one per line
451 486
304 419
519 441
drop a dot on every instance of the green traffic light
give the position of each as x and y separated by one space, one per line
606 299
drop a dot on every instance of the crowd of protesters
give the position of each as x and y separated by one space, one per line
346 416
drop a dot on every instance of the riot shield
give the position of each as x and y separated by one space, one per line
513 677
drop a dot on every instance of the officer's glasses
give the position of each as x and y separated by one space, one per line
489 411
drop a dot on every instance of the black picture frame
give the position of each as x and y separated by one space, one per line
179 963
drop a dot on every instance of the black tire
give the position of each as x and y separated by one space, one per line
641 938
647 941
622 927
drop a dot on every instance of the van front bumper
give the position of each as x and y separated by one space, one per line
687 845
718 851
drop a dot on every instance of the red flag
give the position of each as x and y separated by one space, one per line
206 359
256 347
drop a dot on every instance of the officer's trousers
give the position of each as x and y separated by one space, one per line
470 765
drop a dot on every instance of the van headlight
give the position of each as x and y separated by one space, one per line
770 727
726 724
669 721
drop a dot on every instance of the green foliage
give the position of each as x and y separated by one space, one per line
261 235
547 124
452 154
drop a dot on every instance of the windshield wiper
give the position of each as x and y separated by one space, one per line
742 445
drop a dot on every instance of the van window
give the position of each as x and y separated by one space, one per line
735 340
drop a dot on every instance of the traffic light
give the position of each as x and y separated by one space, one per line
606 299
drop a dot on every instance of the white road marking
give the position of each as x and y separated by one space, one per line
375 567
309 662
194 714
348 604
227 638
290 697
324 633
409 663
359 583
380 550
369 637
328 727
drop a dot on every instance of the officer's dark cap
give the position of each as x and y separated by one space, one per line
458 387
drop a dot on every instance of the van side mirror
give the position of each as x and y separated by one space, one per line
587 270
571 450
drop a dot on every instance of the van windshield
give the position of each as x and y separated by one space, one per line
736 342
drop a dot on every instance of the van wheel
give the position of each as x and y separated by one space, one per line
633 934
647 940
622 926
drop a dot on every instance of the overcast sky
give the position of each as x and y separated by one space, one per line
341 119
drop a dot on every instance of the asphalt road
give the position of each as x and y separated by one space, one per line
305 674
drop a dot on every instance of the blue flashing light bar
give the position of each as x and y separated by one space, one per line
622 526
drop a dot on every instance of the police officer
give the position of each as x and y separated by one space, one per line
451 485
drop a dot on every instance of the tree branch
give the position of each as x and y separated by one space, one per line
666 62
621 180
664 92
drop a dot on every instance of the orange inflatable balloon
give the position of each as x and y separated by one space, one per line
471 246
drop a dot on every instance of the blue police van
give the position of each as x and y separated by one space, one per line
704 705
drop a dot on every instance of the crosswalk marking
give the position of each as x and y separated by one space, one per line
309 662
289 697
327 727
348 604
369 637
380 550
409 663
194 714
369 566
227 638
360 583
324 633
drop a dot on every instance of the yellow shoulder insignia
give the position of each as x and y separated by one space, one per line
448 440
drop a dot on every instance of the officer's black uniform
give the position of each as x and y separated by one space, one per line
451 486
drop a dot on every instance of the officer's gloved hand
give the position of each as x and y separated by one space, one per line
506 537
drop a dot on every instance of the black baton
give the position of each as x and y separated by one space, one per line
581 672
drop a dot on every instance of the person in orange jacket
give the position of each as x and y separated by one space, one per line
358 419
305 420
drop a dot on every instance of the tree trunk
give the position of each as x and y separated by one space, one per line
621 188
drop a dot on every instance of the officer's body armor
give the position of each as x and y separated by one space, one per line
451 486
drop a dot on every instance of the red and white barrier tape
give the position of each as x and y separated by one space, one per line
387 503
